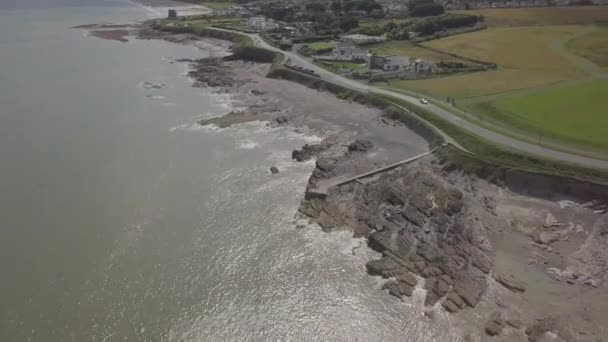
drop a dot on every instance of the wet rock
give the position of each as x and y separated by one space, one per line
301 223
550 221
468 337
209 72
398 288
575 326
383 267
514 322
569 275
308 152
427 229
494 325
325 164
274 170
408 278
603 230
150 85
281 120
490 204
511 283
360 146
592 282
450 306
547 237
257 92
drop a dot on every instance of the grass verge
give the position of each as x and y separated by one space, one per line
493 153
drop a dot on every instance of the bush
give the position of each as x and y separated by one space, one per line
425 8
449 21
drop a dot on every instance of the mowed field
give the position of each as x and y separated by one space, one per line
571 113
578 15
527 57
552 75
405 48
592 46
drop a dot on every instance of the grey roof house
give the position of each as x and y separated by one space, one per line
347 51
388 63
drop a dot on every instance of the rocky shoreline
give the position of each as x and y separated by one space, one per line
505 265
454 236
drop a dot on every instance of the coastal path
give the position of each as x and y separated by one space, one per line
493 136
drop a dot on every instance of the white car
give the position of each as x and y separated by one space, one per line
424 101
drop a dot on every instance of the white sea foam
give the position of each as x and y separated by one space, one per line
247 144
155 97
192 127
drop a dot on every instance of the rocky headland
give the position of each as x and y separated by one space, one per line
530 257
503 257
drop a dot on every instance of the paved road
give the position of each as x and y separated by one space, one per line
495 137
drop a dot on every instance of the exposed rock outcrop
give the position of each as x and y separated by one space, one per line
209 72
495 324
571 327
420 224
360 146
308 152
511 283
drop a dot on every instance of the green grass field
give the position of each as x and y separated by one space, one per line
217 5
405 48
574 15
550 81
321 45
523 63
338 66
575 114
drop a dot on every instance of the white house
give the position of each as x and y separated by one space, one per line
261 23
347 51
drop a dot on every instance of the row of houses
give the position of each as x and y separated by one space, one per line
400 64
348 51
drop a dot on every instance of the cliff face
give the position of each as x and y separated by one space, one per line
423 228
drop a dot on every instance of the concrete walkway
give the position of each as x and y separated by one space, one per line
324 185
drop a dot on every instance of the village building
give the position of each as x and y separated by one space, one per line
347 51
289 31
388 63
234 11
261 23
421 66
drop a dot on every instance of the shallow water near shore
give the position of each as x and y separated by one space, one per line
121 219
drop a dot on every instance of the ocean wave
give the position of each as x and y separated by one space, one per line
193 127
155 97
